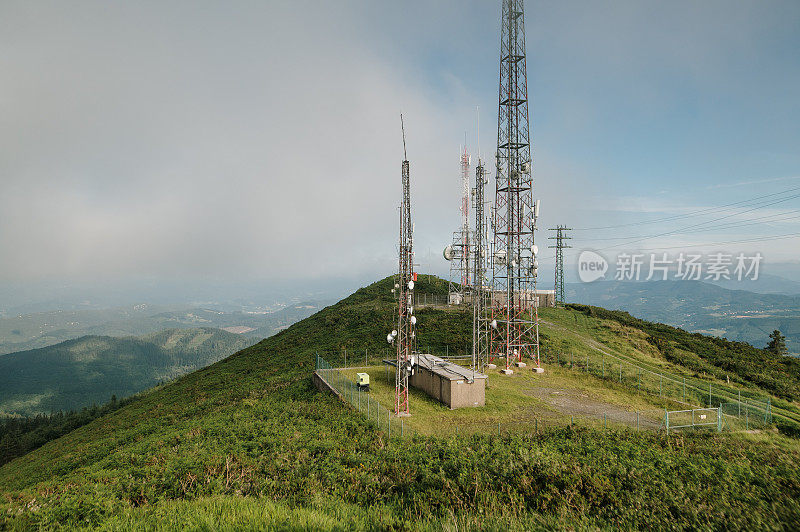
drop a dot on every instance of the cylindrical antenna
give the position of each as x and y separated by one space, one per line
478 130
403 129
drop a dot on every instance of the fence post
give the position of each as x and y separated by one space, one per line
684 389
660 385
746 416
666 420
740 403
365 356
388 425
498 428
709 395
359 399
719 418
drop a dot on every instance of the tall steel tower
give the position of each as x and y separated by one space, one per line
459 253
514 310
405 287
480 291
561 236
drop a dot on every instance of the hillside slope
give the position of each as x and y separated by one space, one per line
697 306
248 442
90 369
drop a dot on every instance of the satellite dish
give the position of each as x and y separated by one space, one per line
389 338
411 310
411 285
396 285
413 320
535 264
448 253
535 250
500 257
394 333
494 324
413 360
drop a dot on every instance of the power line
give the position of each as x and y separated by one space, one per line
689 214
721 226
675 231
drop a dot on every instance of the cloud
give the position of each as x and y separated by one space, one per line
262 140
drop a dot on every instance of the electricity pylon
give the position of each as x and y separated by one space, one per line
561 236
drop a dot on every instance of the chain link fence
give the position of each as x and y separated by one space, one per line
747 414
743 405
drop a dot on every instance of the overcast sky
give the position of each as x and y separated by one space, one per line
261 140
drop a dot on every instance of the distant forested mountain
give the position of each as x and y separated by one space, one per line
90 369
700 307
43 329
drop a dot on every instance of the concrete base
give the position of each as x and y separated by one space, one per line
506 371
491 366
538 370
520 364
403 414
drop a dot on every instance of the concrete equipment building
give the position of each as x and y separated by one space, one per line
453 385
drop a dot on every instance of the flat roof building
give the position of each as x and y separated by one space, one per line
453 385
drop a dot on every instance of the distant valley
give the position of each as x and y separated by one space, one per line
90 369
43 329
700 307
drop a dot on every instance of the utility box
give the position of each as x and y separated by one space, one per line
362 380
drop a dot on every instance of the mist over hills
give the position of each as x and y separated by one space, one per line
700 307
33 331
89 370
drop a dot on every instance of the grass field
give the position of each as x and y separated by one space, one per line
522 401
250 443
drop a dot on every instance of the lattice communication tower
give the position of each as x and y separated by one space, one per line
459 253
406 321
480 291
514 320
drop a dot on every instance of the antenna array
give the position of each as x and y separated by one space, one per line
405 334
514 320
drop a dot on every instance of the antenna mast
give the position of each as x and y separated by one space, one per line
459 253
514 318
405 315
480 333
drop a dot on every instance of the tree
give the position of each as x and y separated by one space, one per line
777 343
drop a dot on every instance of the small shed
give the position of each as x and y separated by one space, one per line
453 385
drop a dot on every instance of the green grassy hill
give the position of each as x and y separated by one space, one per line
249 442
90 369
698 306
